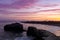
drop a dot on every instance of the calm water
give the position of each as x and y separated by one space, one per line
53 29
10 36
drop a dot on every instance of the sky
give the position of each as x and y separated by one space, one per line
36 10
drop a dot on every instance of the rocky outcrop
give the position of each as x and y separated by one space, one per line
41 34
47 35
14 27
37 34
44 33
31 31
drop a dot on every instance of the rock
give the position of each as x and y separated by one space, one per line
41 34
38 35
52 37
36 38
44 33
48 35
31 31
14 27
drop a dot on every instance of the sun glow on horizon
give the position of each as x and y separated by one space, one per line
45 16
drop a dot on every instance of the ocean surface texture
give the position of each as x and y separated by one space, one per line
12 36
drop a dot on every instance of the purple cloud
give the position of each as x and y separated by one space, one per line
18 4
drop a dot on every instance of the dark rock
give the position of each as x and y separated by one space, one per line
14 27
48 35
31 31
39 35
44 33
38 38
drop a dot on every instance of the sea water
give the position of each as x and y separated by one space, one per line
12 36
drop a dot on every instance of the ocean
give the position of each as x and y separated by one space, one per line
12 36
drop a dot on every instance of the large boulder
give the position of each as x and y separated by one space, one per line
14 27
43 33
52 37
31 31
38 38
46 35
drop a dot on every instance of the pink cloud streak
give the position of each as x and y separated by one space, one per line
19 4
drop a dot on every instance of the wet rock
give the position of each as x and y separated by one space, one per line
31 31
41 34
44 33
38 35
52 37
14 27
48 35
38 38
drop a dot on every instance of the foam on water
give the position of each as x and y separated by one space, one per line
24 37
11 36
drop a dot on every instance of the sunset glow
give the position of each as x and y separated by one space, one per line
37 10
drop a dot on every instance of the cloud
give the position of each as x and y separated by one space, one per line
29 6
7 1
32 9
17 3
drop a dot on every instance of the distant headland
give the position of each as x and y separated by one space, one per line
54 23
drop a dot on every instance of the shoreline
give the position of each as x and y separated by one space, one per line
53 23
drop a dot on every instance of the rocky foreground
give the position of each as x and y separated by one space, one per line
37 34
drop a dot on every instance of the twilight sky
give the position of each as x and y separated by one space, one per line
30 10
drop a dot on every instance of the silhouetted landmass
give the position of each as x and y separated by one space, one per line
54 23
14 27
37 34
40 34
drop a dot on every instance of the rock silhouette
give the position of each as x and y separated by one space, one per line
31 31
38 38
37 34
45 35
14 27
41 34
